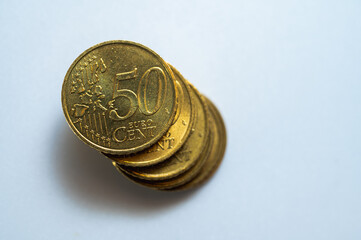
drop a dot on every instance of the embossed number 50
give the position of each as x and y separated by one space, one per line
140 100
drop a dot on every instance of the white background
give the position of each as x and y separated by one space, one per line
286 76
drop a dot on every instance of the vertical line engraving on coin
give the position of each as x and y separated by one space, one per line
100 123
85 83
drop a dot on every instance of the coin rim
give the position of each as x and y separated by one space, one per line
112 150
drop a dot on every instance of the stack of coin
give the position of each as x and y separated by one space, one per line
124 100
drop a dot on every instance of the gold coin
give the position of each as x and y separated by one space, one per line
218 130
187 155
174 137
119 97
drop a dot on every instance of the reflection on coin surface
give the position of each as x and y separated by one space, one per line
174 137
119 97
187 155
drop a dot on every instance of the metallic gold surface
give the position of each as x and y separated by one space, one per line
174 137
188 154
205 166
218 130
119 97
173 183
122 99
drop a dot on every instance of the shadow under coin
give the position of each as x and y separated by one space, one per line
92 181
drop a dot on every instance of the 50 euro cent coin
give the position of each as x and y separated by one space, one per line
119 97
